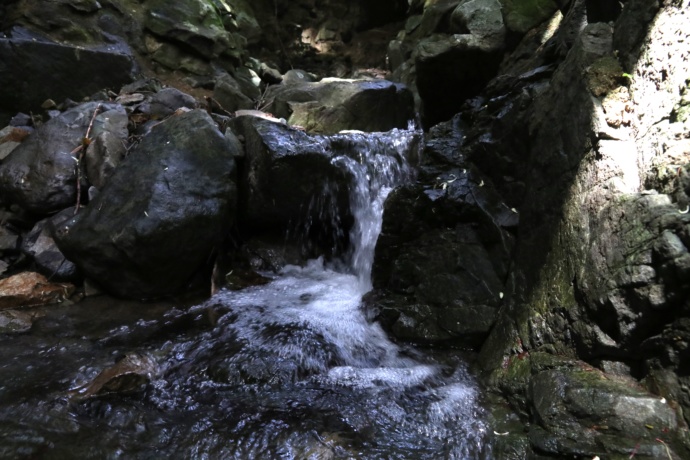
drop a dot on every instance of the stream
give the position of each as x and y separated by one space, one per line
290 369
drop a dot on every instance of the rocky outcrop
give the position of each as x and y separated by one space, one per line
599 262
583 136
448 54
579 410
175 190
442 259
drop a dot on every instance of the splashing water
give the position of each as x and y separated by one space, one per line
377 163
289 370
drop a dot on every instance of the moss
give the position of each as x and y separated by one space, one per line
604 75
523 15
681 111
519 368
79 35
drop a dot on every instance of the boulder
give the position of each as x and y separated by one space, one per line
241 18
194 23
441 260
583 412
304 184
522 15
297 76
332 105
40 175
174 57
33 70
481 18
285 173
162 212
434 19
166 101
40 246
228 93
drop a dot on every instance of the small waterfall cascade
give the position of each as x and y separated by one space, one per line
290 369
377 163
316 379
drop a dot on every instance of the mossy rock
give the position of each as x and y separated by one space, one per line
604 75
195 23
522 15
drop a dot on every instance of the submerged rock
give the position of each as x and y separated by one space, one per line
129 375
16 321
157 219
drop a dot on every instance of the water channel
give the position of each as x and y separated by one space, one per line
291 369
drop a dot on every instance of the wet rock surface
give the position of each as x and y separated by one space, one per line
293 182
40 245
41 174
442 260
175 190
31 289
549 212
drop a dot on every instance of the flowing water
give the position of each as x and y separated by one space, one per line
287 370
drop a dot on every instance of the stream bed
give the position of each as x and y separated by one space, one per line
290 369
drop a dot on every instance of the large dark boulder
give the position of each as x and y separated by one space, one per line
441 260
161 213
33 70
40 175
284 169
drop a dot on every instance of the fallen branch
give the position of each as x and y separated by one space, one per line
86 140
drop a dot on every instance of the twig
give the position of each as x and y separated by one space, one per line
668 451
637 446
213 105
81 149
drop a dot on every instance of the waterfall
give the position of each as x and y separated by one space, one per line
291 369
377 163
316 379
